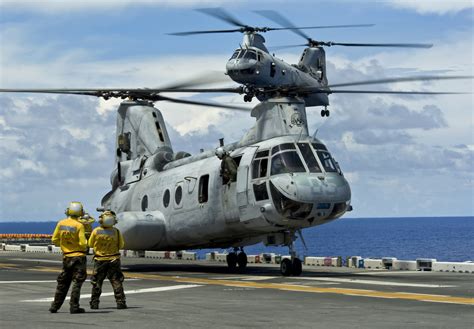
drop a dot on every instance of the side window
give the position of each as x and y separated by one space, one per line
260 164
166 198
203 189
260 191
178 195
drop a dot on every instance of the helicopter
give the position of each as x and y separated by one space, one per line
263 75
287 179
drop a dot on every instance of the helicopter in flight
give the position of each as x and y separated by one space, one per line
287 180
262 75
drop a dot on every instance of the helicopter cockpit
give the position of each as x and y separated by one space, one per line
302 180
244 63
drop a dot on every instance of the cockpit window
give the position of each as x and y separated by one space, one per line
319 146
250 54
236 53
327 161
286 162
259 168
286 146
309 157
241 54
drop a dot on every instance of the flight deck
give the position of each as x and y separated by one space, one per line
204 294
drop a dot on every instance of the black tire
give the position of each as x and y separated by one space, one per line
286 267
242 260
231 260
327 112
323 113
297 267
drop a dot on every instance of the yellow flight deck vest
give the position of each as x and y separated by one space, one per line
106 242
69 235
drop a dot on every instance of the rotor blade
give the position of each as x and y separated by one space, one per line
288 46
204 32
319 27
282 21
189 102
394 80
389 92
234 90
199 80
222 15
395 45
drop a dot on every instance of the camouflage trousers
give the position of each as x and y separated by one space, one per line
111 270
74 270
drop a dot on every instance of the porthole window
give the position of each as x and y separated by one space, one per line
144 203
166 198
178 195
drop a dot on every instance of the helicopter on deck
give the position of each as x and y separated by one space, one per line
287 180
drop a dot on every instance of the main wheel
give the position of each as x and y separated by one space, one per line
327 112
323 113
286 267
242 260
231 260
297 267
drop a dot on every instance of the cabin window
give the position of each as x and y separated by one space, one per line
287 162
144 203
166 198
178 195
309 157
203 189
259 168
260 191
327 161
282 147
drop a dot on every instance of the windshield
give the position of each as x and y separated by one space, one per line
327 161
250 54
286 162
309 157
236 53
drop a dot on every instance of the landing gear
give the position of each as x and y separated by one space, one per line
233 259
248 98
292 265
325 112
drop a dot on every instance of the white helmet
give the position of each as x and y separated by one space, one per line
220 152
75 209
107 219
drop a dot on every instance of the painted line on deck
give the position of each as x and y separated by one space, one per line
372 282
297 288
46 281
38 260
128 292
311 289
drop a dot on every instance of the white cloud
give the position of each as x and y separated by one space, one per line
440 7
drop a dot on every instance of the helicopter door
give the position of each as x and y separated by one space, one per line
246 210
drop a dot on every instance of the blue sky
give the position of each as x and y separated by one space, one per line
402 156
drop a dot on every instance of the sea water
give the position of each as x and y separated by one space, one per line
442 238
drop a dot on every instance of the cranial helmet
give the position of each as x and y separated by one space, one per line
107 219
75 209
220 152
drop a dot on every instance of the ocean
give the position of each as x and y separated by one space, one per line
442 238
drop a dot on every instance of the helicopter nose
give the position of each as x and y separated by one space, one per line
313 188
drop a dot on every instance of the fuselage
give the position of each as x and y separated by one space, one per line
283 184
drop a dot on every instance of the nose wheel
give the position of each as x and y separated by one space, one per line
292 265
325 113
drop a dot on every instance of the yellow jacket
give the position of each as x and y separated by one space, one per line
69 235
87 225
106 242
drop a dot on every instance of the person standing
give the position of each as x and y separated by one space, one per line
228 166
107 242
69 234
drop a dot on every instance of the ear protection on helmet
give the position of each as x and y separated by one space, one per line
107 219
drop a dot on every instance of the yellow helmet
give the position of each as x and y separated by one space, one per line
107 219
75 209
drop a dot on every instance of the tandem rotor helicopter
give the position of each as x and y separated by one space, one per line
286 181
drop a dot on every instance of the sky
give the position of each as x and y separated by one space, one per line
403 156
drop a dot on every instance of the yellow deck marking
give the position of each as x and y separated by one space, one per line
293 287
8 266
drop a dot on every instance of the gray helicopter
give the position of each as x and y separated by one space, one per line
287 180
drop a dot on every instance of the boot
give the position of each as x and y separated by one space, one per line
94 306
77 310
121 306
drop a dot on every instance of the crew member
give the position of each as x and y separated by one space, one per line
87 220
228 166
107 242
69 235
